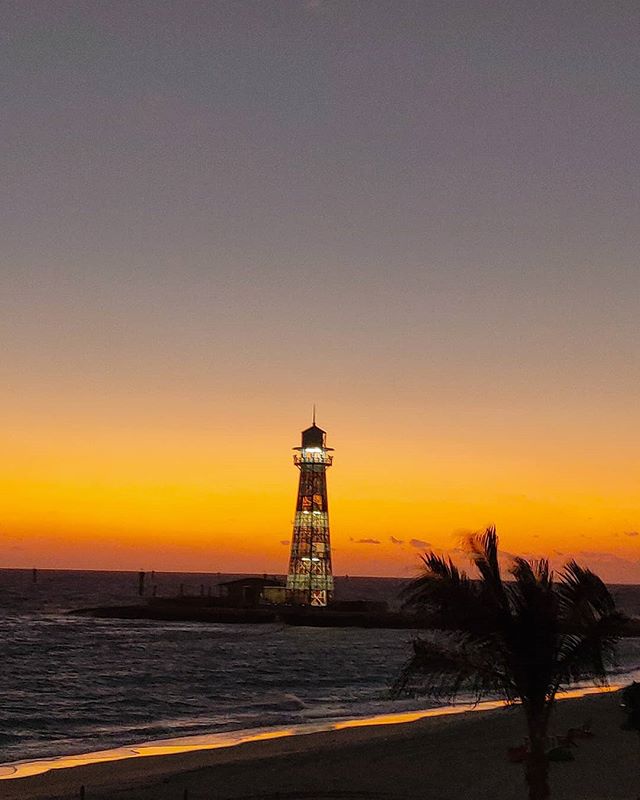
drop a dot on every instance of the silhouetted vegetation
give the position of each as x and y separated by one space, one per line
523 639
631 701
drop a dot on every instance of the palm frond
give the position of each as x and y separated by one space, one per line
587 654
483 548
442 667
583 595
532 572
591 625
440 584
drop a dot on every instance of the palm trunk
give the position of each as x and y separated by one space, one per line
537 763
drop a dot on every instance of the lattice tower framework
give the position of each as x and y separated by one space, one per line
310 578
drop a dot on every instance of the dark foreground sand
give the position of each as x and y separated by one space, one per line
444 758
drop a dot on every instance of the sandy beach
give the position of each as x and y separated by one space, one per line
461 756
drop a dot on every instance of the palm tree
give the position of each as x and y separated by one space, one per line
523 639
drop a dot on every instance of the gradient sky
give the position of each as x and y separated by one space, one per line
422 216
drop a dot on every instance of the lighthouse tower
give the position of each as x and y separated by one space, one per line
310 580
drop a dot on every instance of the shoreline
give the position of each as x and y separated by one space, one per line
15 772
216 741
455 755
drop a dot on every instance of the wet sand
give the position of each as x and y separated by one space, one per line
440 758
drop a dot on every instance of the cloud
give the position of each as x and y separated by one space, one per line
365 541
419 543
631 533
285 542
393 540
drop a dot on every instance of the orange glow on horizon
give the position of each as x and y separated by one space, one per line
90 494
196 499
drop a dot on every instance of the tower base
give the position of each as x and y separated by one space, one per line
304 597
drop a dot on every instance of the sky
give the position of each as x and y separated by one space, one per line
421 216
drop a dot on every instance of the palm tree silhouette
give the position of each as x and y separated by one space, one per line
522 639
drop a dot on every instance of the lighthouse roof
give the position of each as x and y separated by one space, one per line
313 436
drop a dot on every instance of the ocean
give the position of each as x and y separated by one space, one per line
74 684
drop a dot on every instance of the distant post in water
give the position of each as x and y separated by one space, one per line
141 582
310 579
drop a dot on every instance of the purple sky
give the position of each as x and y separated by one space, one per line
403 209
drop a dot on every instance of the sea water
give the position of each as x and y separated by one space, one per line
72 684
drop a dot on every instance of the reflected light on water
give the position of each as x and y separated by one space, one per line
24 769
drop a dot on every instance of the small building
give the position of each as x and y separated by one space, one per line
275 595
251 592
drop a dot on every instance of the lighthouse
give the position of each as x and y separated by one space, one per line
310 580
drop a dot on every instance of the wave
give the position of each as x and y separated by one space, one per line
98 684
